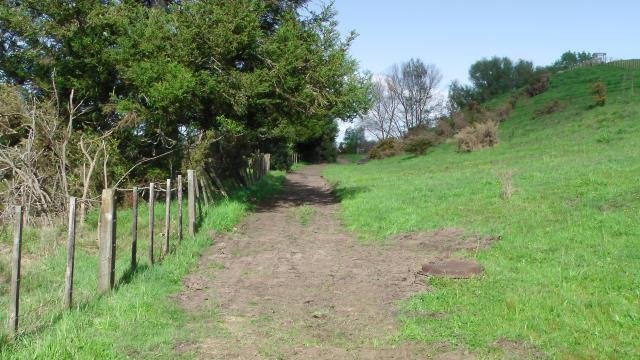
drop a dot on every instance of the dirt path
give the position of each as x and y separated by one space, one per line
292 283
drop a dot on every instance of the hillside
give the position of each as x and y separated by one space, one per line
563 279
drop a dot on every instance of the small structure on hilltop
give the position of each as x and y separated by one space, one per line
599 58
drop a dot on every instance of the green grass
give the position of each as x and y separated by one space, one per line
564 277
352 157
305 214
137 320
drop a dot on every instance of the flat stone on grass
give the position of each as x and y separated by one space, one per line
453 268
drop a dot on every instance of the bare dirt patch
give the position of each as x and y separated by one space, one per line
280 288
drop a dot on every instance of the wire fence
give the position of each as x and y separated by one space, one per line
199 189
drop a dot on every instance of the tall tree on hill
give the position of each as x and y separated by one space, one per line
413 84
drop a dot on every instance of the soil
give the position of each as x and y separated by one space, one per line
292 283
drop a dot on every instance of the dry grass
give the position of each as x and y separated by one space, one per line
477 136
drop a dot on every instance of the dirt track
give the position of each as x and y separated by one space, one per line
292 283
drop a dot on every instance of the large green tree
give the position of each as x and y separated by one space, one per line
157 75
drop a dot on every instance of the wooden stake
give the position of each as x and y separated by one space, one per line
191 194
152 205
167 219
14 307
134 228
180 208
107 241
205 193
71 250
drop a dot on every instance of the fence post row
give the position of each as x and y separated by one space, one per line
167 219
71 250
191 193
152 205
107 241
14 307
134 228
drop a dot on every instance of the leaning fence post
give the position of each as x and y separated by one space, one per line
134 228
107 241
14 307
71 250
167 218
205 192
179 208
152 206
191 193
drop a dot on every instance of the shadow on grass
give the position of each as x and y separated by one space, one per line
130 274
346 193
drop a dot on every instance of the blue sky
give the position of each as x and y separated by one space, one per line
452 34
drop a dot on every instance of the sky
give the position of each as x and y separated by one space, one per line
453 34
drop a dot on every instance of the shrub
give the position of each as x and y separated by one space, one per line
386 148
478 136
418 145
540 85
599 92
444 128
549 108
502 113
459 121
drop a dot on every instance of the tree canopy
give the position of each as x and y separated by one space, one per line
158 74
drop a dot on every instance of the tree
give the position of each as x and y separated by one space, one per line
413 85
354 140
460 96
382 120
492 77
570 59
159 75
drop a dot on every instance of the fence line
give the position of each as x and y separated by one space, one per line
198 188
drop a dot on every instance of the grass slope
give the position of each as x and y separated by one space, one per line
139 319
564 277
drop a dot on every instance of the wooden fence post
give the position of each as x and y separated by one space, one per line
152 206
179 208
107 241
191 194
167 219
134 228
71 250
268 161
205 191
14 308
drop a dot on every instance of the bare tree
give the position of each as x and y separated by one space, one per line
413 84
382 121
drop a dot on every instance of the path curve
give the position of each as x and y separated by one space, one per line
292 283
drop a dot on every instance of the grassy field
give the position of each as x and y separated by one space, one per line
139 319
565 276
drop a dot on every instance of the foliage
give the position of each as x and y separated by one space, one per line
599 92
418 145
539 85
386 148
354 140
570 59
559 279
478 136
495 76
252 73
